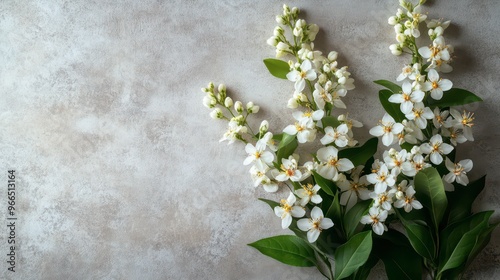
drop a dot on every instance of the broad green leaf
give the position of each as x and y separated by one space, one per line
393 109
353 216
323 265
430 192
286 147
326 185
364 271
287 249
390 85
399 258
271 203
460 200
277 67
455 97
334 211
360 155
402 263
458 240
421 240
482 240
330 121
353 254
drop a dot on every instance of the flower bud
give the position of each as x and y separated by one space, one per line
216 114
280 19
238 106
273 41
395 49
398 28
252 108
400 37
222 88
209 101
228 102
392 20
313 31
278 31
333 55
295 11
264 126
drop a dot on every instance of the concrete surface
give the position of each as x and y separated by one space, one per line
119 171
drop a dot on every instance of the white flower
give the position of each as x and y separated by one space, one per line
315 224
439 117
437 85
233 132
289 171
387 128
330 164
382 179
258 173
309 193
436 148
394 160
258 153
382 200
300 76
287 210
416 164
407 98
456 135
420 115
337 135
408 202
304 127
352 189
458 171
465 122
376 218
268 139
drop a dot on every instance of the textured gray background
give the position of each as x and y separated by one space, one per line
120 173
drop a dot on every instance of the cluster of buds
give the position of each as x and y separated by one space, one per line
303 33
236 113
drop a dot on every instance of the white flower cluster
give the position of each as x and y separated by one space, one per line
319 85
433 133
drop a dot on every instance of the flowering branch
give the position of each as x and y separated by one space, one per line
341 194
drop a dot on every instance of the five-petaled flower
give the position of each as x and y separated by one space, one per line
315 224
288 209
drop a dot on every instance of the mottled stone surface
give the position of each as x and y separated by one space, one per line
120 173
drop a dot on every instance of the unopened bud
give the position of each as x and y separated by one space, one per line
228 102
216 114
238 106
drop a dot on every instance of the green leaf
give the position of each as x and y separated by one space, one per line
277 67
326 185
459 239
271 203
330 121
287 249
390 85
364 271
353 254
353 216
400 260
360 155
393 109
421 240
460 200
455 97
334 211
286 147
430 192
